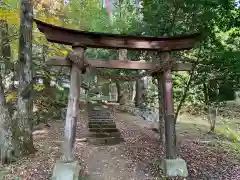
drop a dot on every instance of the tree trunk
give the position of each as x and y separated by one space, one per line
22 132
205 92
5 129
118 91
212 116
161 108
109 10
47 91
5 46
133 91
120 94
144 91
141 90
114 93
6 148
7 67
181 103
130 91
137 96
106 89
212 111
161 104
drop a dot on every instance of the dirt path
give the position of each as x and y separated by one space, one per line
112 162
134 159
107 163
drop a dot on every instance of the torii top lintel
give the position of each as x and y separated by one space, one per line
72 37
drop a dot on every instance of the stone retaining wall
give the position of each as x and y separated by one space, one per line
146 114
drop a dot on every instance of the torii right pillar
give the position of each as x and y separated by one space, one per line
172 165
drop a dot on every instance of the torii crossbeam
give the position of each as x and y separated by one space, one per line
67 36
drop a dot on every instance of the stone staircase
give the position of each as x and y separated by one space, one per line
101 124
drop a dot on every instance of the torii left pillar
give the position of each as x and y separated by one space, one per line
68 168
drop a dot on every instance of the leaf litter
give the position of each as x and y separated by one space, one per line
137 158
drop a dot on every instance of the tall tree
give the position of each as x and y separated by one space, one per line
5 119
23 126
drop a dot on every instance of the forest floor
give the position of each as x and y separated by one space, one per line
137 158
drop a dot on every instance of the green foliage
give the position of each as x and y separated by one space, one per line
229 133
226 132
61 97
217 20
38 87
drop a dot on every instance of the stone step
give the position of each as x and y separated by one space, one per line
104 134
107 130
107 140
101 120
100 112
100 115
102 126
115 134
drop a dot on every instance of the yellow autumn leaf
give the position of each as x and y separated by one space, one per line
5 14
11 97
51 20
12 17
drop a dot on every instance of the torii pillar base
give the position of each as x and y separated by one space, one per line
174 167
66 171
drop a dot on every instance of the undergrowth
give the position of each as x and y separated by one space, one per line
229 138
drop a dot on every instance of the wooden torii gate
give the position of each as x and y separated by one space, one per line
79 40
